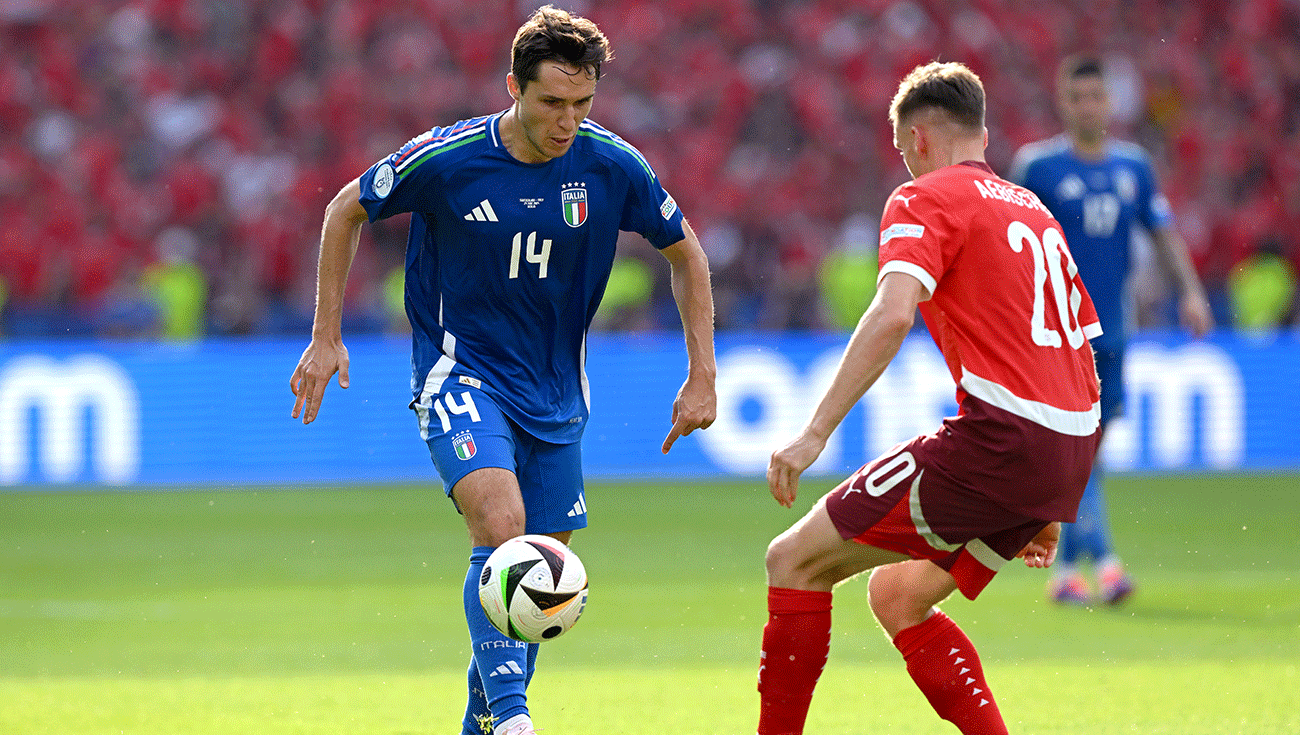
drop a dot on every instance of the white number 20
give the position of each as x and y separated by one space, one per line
1048 254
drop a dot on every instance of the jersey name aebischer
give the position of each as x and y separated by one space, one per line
1006 306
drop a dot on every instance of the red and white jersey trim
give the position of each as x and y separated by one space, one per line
919 522
911 269
1071 423
986 556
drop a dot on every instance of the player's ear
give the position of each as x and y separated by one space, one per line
986 138
512 86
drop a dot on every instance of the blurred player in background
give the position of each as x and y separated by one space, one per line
990 270
1099 189
515 219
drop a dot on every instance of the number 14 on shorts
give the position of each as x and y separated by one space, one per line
448 404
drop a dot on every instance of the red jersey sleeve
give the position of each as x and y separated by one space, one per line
1006 305
917 236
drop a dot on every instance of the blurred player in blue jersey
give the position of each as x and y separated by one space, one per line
514 222
1099 189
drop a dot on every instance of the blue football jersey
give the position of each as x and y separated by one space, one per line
1098 203
506 263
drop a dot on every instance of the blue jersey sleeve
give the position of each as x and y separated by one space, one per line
648 210
1019 171
652 212
408 179
1031 168
386 192
1153 209
377 185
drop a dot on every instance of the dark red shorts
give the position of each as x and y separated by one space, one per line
968 497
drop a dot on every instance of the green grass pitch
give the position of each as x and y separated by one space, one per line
306 612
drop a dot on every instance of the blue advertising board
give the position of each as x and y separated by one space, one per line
217 412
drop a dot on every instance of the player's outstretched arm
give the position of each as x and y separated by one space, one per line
875 341
696 405
325 354
1193 307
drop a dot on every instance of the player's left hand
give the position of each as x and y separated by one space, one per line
696 407
1195 314
1041 552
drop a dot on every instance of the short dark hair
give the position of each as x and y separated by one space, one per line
947 86
1079 65
554 34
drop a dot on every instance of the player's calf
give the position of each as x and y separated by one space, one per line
796 644
943 663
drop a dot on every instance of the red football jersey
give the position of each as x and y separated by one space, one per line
1007 307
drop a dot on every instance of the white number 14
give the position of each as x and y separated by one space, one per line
466 405
534 255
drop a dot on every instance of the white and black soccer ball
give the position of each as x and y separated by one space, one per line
533 588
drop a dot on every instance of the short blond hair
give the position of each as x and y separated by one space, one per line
947 86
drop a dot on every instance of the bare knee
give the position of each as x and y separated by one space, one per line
783 563
792 564
494 528
493 508
897 601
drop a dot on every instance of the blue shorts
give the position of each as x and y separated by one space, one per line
1110 369
466 432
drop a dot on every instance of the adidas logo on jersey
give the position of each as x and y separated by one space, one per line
579 508
482 213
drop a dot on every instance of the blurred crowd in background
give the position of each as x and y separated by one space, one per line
165 164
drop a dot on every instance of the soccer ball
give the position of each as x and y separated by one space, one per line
533 588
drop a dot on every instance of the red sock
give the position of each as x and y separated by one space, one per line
796 642
944 664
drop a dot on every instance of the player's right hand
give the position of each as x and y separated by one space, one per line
318 364
788 463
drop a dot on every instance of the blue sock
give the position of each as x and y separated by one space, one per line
502 666
533 649
1067 551
1090 534
478 720
1095 538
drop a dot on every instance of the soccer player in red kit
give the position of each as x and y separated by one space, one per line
1001 296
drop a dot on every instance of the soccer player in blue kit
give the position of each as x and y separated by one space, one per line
515 217
1099 189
